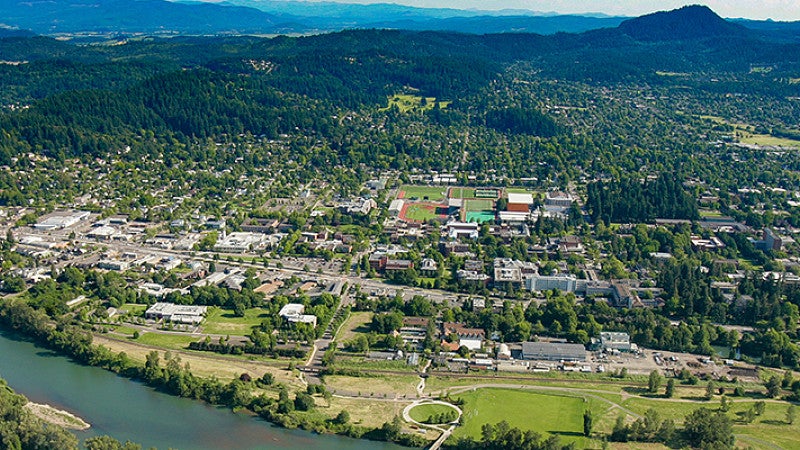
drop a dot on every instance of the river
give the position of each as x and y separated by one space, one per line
127 410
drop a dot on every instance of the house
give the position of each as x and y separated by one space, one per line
472 338
553 351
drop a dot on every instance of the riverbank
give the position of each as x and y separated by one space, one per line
57 417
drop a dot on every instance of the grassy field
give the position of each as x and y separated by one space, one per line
407 102
746 134
378 387
367 413
357 323
543 413
421 413
166 341
422 212
433 193
134 308
461 192
207 364
222 321
766 139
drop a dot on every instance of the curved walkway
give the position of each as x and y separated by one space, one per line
445 432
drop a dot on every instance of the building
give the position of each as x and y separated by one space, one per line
769 241
396 207
520 203
240 242
61 221
265 226
457 230
562 282
171 312
294 313
472 338
559 199
616 341
377 261
553 351
398 264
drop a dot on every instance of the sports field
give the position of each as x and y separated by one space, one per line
422 212
461 192
478 205
543 413
428 193
478 210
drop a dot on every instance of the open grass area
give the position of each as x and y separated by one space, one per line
166 341
408 102
431 193
223 321
767 140
357 323
378 387
421 413
134 308
551 414
368 413
207 364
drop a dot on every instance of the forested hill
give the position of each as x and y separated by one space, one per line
89 99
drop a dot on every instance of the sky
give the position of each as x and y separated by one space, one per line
750 9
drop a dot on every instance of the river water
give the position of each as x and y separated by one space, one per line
127 410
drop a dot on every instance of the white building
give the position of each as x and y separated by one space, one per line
293 313
61 221
565 283
241 242
171 312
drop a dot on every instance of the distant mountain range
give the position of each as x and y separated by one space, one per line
125 17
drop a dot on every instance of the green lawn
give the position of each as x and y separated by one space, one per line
408 102
543 413
421 413
433 193
222 321
134 308
167 341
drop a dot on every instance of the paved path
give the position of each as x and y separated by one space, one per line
446 432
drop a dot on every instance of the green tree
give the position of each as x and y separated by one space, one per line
588 421
703 428
791 414
654 382
669 391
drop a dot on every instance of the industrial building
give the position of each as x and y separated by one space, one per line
553 351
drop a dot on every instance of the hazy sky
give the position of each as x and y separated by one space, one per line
751 9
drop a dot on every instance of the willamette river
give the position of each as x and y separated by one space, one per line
128 410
